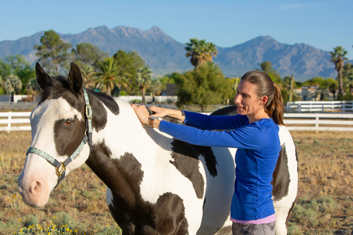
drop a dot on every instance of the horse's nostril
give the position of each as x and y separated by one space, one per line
35 187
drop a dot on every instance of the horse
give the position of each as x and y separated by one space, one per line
155 184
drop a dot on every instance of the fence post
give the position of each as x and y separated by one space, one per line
9 123
344 107
317 124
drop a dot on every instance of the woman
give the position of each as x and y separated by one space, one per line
254 131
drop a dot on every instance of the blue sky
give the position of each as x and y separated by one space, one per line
323 24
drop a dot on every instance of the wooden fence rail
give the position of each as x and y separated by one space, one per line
10 121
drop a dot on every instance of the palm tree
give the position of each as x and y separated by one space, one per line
108 76
155 87
144 79
200 51
338 58
89 76
12 84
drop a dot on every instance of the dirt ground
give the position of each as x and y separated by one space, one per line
324 204
325 200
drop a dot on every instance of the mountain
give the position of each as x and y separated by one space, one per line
165 55
301 60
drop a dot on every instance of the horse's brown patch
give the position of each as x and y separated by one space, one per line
68 137
187 162
133 214
280 176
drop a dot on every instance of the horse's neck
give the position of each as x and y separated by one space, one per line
125 133
124 141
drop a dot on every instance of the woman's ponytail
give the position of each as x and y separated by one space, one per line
275 108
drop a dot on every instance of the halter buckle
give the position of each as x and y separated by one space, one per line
88 111
63 168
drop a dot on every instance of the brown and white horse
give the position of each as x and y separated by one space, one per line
156 184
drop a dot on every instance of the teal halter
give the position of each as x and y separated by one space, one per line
61 166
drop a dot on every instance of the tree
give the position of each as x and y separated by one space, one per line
347 79
200 51
289 85
33 86
89 76
172 78
204 86
332 86
12 84
32 89
53 52
338 57
108 75
319 81
87 54
144 80
1 86
155 87
17 65
267 68
129 63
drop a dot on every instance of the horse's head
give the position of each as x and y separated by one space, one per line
58 129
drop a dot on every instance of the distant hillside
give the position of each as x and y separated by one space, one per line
165 55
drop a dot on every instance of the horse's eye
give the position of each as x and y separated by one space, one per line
67 122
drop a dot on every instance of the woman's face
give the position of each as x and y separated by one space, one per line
246 99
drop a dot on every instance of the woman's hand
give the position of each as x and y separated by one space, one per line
141 113
159 112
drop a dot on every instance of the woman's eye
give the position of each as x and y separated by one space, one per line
67 122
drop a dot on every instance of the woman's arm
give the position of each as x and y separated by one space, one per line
248 137
198 120
208 122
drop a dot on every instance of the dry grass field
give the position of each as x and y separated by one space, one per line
77 206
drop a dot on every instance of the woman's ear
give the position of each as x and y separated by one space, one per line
264 100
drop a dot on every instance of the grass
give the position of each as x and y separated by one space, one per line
77 206
325 201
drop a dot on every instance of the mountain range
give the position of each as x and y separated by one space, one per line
165 55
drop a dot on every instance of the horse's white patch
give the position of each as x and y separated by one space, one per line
283 206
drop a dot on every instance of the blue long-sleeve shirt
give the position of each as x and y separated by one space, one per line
258 150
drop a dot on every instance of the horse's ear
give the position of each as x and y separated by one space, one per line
43 78
75 78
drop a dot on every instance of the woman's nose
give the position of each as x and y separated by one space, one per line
237 98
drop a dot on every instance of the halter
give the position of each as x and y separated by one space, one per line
61 166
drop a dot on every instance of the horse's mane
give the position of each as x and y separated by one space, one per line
60 83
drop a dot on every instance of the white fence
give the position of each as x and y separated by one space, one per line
319 121
10 121
319 106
